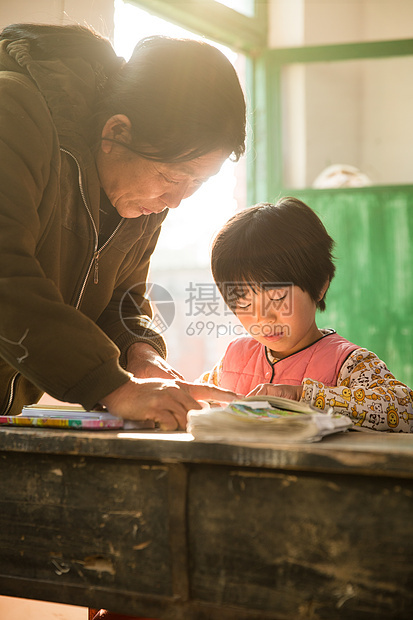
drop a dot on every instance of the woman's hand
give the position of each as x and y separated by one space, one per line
164 401
145 363
293 392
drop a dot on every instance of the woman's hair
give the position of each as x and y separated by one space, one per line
268 245
182 96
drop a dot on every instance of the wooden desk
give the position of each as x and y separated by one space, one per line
174 529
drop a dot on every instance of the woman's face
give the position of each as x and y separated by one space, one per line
137 186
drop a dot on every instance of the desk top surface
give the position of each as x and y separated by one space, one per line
375 453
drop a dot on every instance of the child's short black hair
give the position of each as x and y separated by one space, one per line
285 243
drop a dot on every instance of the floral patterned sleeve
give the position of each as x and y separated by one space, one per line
212 377
367 392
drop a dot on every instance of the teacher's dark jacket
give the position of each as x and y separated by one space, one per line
67 306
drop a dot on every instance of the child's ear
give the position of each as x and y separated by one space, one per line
324 289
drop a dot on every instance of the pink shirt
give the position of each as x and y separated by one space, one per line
245 364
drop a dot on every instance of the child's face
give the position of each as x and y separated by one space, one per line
282 319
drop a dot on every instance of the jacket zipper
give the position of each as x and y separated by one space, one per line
96 251
11 395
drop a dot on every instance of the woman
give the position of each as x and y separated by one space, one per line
94 152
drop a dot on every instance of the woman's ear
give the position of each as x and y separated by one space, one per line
324 289
117 128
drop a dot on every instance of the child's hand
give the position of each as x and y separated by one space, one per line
293 392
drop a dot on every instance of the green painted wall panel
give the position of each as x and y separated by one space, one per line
370 300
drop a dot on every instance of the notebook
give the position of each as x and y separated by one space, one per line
66 416
265 419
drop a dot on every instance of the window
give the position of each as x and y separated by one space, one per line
245 7
200 328
334 104
241 24
355 113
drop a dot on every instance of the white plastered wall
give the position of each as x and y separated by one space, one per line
95 13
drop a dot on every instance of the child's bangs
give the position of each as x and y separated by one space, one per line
246 278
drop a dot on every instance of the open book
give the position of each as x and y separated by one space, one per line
264 419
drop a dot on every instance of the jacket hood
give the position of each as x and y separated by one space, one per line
71 85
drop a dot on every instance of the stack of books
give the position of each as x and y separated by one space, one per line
64 416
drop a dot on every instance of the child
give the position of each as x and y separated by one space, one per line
273 266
